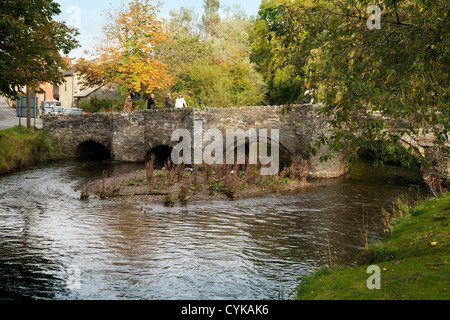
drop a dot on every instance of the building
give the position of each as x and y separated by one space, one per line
71 93
99 92
48 93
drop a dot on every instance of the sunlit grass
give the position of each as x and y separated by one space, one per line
413 260
21 146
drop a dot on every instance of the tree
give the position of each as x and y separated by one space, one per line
213 71
185 45
210 18
205 84
31 43
369 77
283 75
126 56
231 47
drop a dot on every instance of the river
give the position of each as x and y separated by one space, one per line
55 246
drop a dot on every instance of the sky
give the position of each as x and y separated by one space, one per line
89 15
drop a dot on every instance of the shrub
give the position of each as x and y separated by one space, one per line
168 200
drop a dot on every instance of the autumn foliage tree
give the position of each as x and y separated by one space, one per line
126 55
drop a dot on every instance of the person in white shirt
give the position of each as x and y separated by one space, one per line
180 103
308 96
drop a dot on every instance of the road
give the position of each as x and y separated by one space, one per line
8 118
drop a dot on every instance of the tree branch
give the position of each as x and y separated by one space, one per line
396 13
398 22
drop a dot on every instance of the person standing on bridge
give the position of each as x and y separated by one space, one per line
309 96
128 106
180 103
151 102
168 103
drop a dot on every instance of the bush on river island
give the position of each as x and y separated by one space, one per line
178 183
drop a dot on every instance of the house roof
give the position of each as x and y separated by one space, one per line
86 92
68 72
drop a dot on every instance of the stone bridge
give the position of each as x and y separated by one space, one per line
133 136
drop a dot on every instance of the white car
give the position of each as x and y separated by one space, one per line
72 111
48 107
58 110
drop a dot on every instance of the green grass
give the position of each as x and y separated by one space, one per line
21 146
413 260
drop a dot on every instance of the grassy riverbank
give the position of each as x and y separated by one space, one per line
413 260
21 146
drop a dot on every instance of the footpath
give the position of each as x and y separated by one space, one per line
8 118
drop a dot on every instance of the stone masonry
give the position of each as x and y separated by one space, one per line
130 136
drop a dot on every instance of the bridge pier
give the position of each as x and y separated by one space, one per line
440 164
127 134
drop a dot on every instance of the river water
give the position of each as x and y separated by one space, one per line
55 246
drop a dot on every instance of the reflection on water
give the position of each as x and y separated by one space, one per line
54 246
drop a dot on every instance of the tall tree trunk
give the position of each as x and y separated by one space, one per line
28 107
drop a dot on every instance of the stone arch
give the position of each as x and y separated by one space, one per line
423 151
404 145
345 155
91 149
161 153
284 153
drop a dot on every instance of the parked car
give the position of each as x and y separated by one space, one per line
48 110
72 111
58 110
48 107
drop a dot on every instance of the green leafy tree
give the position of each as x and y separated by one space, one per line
206 84
185 44
276 62
213 71
210 18
183 52
370 79
231 47
31 43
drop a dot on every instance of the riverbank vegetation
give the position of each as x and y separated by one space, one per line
413 259
179 184
21 146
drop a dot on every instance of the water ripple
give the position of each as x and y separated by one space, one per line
54 246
